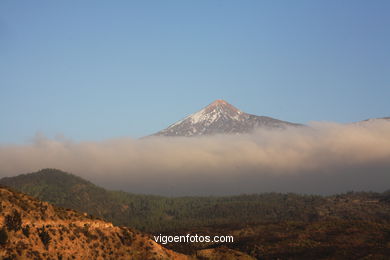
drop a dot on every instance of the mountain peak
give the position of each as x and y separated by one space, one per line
222 107
219 102
220 117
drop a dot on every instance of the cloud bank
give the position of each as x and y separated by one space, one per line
323 158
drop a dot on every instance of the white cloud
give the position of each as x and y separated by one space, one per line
323 158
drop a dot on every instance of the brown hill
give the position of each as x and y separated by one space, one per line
32 229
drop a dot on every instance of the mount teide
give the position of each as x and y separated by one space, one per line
221 117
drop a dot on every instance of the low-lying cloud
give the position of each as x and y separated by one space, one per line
323 158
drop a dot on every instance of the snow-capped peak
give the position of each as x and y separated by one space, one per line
216 110
220 117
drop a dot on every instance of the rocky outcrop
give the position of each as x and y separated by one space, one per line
31 229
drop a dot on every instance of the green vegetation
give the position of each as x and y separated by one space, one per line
267 226
161 214
324 239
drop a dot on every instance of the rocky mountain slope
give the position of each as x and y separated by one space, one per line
221 117
32 229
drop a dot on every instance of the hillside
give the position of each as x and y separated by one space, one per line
32 229
67 190
266 226
157 214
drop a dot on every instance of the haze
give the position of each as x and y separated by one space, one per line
324 158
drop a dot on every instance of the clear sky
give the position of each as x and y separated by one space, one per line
93 70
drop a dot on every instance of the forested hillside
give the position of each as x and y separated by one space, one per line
154 213
267 226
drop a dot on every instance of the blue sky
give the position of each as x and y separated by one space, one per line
93 70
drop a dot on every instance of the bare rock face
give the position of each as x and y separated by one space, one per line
32 229
221 117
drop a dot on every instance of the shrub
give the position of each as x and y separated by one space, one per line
127 238
14 221
44 236
3 236
26 231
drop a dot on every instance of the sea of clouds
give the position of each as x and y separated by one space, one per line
323 158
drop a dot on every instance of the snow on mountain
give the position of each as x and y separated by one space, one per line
221 117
